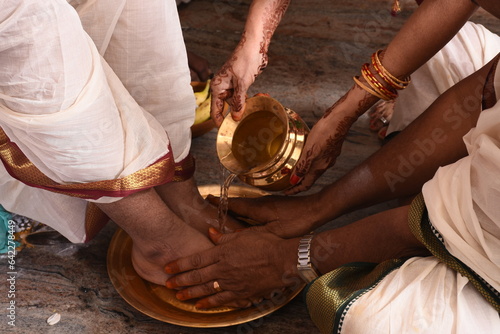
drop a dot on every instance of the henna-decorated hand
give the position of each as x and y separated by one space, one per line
231 83
246 265
248 59
323 146
324 142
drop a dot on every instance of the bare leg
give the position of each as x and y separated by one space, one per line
158 234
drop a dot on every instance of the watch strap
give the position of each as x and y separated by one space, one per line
304 265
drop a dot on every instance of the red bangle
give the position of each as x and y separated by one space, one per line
386 76
376 84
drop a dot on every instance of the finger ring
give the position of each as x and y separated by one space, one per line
383 120
217 287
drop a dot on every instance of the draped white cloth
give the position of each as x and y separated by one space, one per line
88 95
472 48
462 199
423 296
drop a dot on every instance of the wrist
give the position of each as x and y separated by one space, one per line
319 210
290 247
253 43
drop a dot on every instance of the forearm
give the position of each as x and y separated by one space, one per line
401 167
426 32
248 59
264 17
375 239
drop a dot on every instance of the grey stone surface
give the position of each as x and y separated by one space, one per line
316 50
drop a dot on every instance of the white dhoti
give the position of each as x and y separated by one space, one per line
425 295
88 109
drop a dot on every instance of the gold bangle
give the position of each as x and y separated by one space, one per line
379 67
369 90
376 84
386 76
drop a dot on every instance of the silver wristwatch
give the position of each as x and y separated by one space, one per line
306 270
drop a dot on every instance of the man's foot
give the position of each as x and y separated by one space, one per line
158 235
150 258
185 200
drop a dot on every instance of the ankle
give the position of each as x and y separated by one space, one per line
149 265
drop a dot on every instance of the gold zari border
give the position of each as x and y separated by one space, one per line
330 296
161 172
420 226
21 168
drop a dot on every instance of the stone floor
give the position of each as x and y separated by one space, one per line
314 53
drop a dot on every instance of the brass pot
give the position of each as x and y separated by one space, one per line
264 146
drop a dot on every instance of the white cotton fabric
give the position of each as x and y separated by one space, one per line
472 48
463 202
463 198
423 296
143 44
92 102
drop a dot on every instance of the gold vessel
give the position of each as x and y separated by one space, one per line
264 146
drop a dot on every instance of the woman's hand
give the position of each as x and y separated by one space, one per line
286 217
246 265
248 59
324 142
231 83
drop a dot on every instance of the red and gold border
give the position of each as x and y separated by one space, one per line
164 170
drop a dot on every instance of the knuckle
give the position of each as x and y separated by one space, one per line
220 298
196 260
194 277
207 289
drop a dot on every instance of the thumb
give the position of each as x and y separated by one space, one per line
296 181
218 237
213 199
298 173
218 104
238 106
296 178
214 234
302 166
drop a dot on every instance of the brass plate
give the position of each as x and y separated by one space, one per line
160 303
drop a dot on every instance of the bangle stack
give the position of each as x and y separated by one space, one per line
386 90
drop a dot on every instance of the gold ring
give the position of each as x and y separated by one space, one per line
217 287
